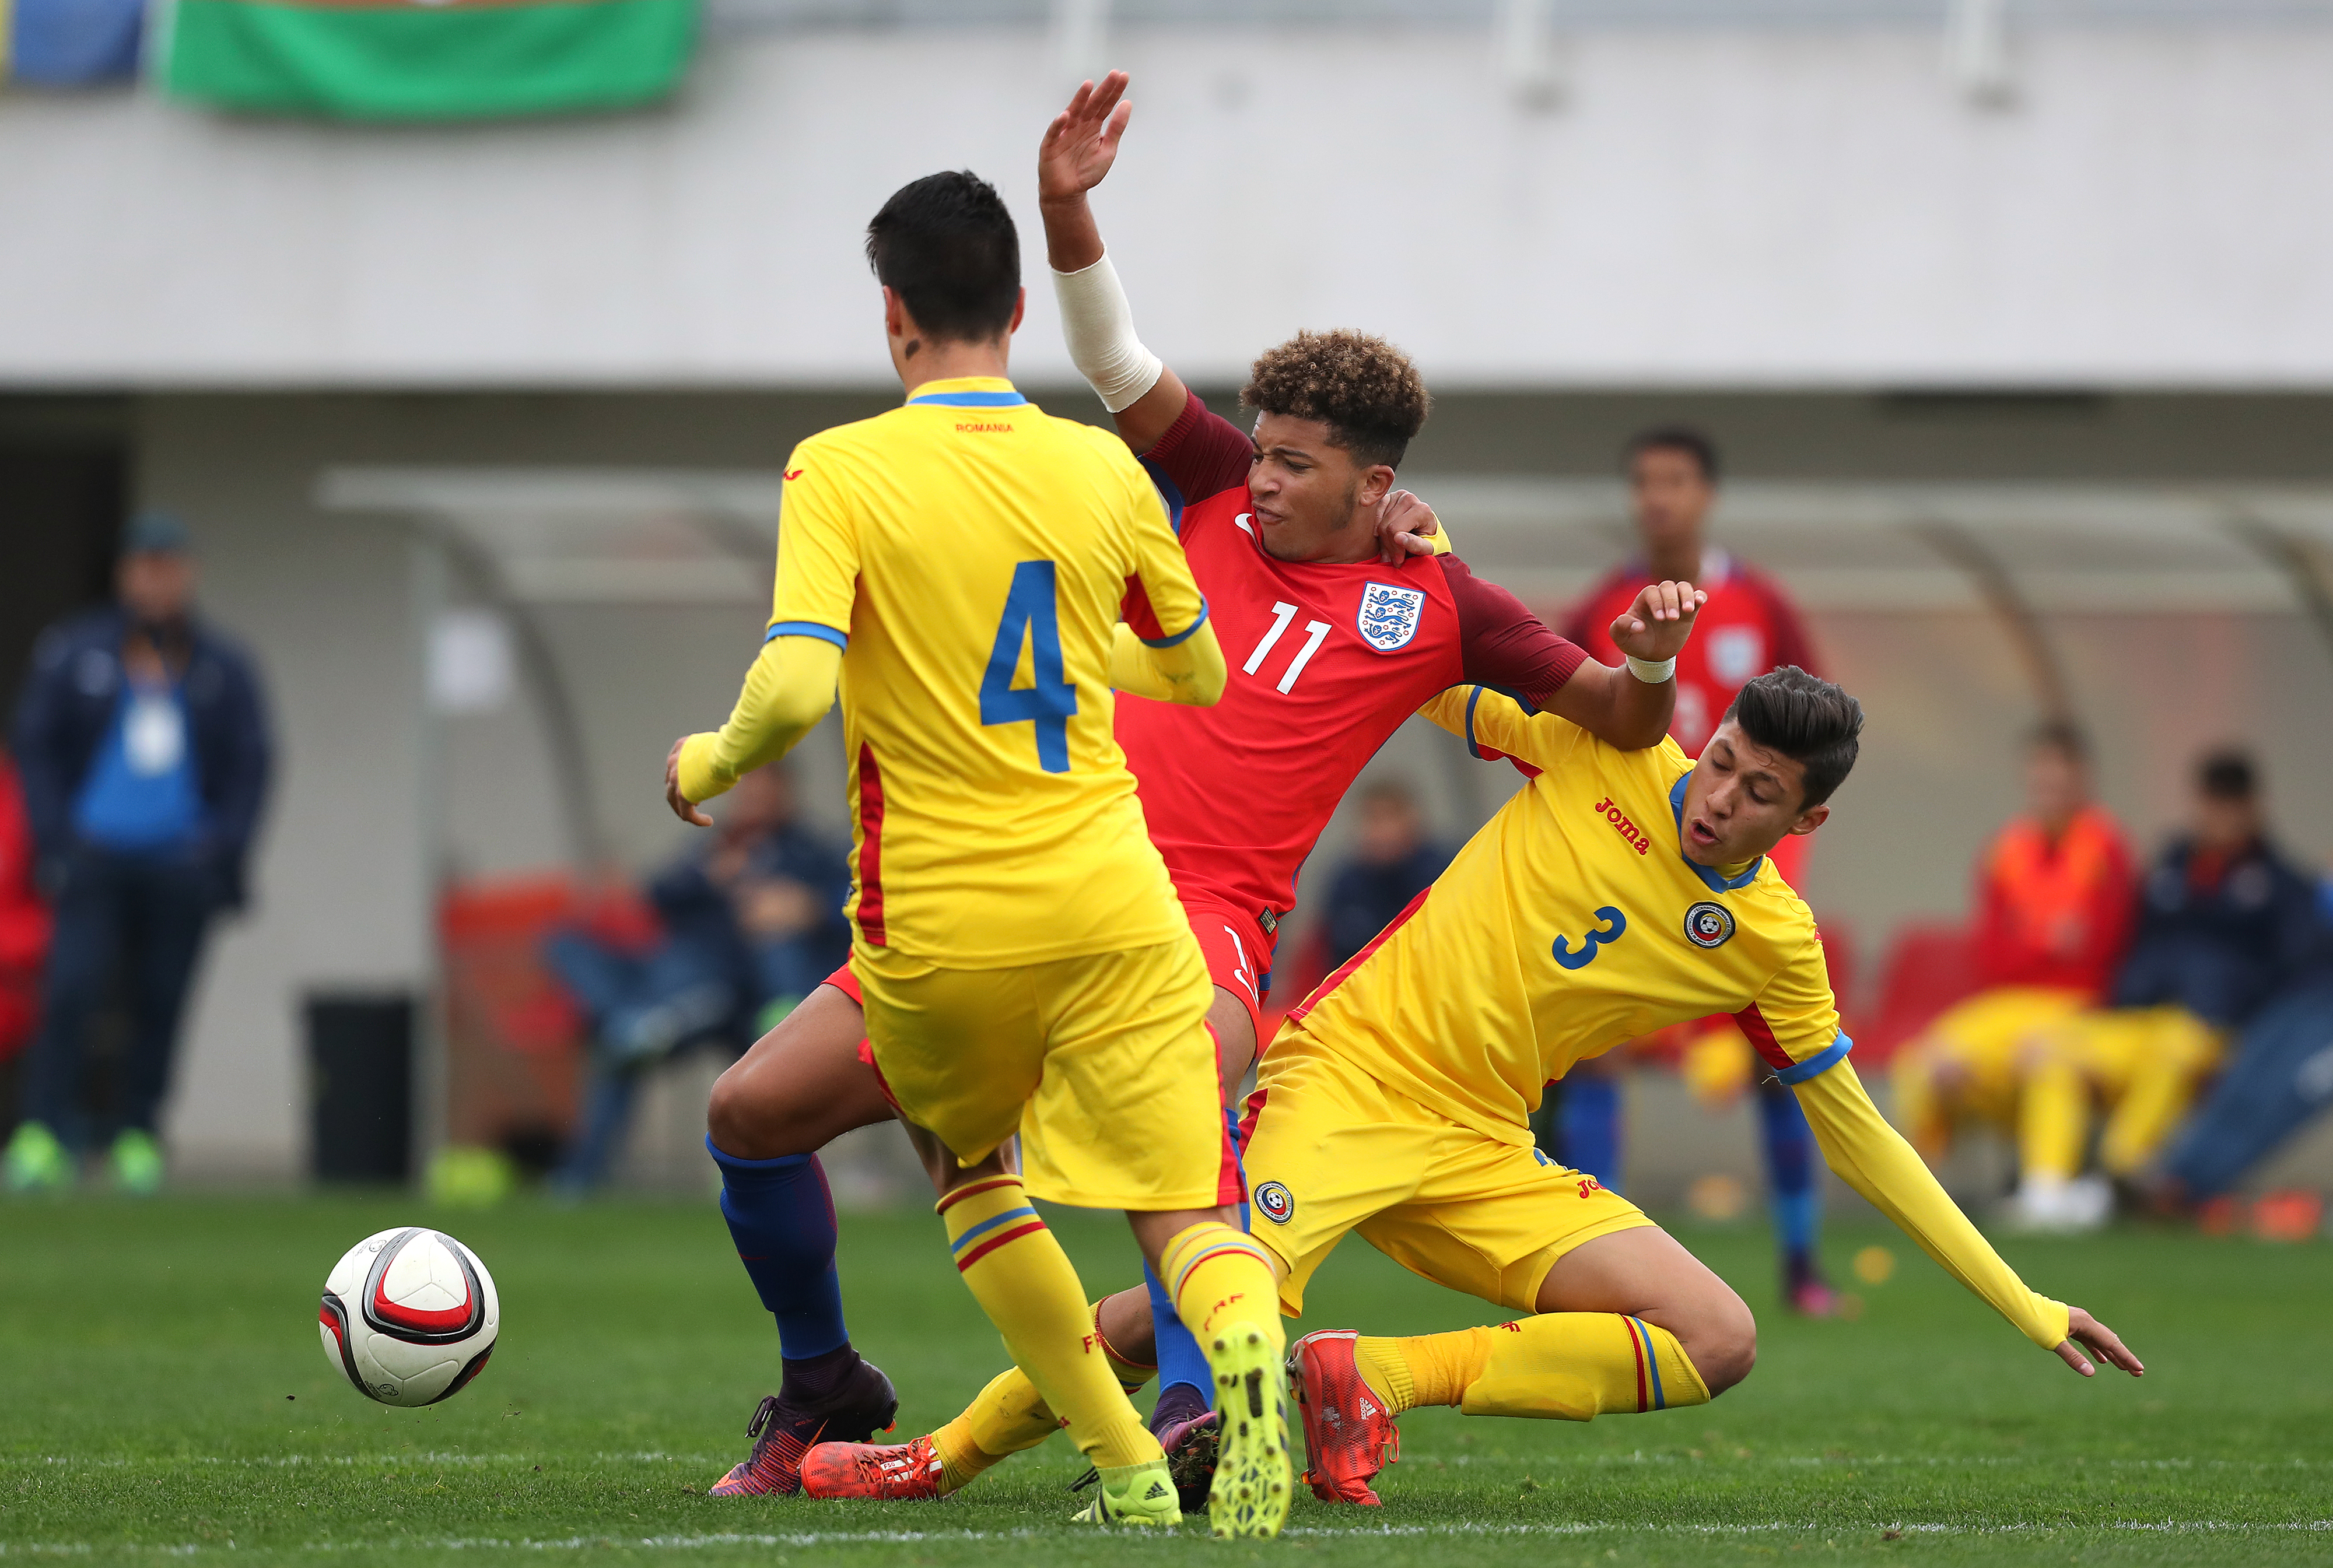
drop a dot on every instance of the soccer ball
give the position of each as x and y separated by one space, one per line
409 1316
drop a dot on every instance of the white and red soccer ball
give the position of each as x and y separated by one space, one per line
409 1316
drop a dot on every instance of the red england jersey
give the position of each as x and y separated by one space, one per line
1326 661
1747 628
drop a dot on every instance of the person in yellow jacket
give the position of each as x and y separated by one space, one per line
1619 892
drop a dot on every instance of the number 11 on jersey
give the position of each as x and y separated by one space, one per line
1315 634
1032 617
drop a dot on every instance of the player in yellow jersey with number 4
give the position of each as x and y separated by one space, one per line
1620 892
960 562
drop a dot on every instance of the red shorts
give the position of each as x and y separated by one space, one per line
1238 954
1239 960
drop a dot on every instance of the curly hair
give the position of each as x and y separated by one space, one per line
1363 388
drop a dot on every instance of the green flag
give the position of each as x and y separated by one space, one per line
423 59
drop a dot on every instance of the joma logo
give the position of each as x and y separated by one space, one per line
1621 825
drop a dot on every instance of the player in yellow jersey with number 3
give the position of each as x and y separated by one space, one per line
960 563
1621 891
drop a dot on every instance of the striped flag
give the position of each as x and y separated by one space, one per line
422 59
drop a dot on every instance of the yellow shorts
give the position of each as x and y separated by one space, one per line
1980 1047
1334 1150
1102 1064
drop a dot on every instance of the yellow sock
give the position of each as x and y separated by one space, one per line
1220 1279
1023 1281
1010 1416
1431 1369
1570 1365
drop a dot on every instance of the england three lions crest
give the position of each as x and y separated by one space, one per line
1390 615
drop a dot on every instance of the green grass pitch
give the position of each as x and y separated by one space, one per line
162 1394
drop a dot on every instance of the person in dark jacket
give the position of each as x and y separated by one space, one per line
1393 862
751 923
2224 919
141 739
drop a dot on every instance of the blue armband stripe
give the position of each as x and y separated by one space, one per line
1473 697
824 634
1181 636
1820 1063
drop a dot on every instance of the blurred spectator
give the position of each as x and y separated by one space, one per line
2280 1077
2224 917
2054 905
1393 862
24 940
2224 920
1748 627
142 742
749 922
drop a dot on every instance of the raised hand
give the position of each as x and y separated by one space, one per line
1081 143
2084 1332
1655 626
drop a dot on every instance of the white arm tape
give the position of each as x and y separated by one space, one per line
1649 672
1099 326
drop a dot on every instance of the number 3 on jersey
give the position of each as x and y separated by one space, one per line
1032 617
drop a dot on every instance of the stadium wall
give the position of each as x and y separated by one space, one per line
326 599
1780 206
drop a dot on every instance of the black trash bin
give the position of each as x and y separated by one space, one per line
360 1086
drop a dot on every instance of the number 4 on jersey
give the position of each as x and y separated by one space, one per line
1032 616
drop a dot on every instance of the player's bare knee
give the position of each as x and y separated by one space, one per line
1722 1343
741 1122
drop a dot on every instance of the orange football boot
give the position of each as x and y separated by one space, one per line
885 1472
1349 1434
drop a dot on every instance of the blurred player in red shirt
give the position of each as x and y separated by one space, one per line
1747 627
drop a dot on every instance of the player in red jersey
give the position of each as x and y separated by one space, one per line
1336 631
1748 627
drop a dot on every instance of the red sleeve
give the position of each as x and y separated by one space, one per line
1201 454
1502 645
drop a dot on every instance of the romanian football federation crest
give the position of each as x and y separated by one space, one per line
1274 1202
1388 617
1708 925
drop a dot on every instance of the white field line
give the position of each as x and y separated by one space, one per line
909 1537
1718 1452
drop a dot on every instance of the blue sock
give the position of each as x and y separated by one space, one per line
1589 1131
1180 1359
1796 1200
782 1220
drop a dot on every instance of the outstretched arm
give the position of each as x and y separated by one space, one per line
791 683
1794 1026
788 690
1873 1158
1079 149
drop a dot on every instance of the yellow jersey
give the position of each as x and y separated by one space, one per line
971 555
1573 921
1570 924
